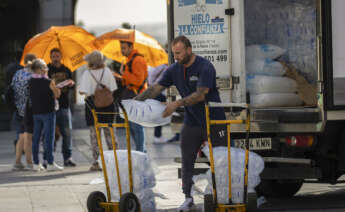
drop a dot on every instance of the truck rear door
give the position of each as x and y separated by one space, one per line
209 25
334 58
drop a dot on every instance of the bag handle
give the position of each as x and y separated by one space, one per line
98 82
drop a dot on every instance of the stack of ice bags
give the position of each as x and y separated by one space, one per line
265 81
220 155
143 177
147 113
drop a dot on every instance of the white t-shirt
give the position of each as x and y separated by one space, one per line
88 84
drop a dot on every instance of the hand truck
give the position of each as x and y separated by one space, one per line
210 200
97 202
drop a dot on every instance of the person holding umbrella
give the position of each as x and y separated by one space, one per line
134 82
60 73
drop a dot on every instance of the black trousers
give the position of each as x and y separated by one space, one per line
192 137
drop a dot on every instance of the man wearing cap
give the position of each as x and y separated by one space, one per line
61 73
134 81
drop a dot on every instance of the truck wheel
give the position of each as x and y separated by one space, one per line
279 188
208 203
93 201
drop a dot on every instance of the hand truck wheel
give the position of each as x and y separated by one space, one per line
129 203
208 203
93 201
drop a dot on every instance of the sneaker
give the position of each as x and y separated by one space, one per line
17 167
69 162
187 205
159 140
95 167
54 167
38 167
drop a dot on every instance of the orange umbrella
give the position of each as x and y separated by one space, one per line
73 41
109 44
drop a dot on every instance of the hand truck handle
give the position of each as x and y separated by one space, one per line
228 104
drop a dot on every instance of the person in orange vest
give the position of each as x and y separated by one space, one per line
134 79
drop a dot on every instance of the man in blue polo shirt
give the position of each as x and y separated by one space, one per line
195 79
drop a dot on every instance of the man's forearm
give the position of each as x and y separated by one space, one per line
150 93
194 98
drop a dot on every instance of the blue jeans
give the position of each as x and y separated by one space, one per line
137 132
46 123
64 122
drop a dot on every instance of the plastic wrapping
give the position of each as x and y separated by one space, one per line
290 25
275 100
264 67
264 51
256 166
147 113
143 177
258 84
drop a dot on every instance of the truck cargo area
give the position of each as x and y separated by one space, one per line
279 33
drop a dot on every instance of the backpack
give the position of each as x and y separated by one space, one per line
103 97
125 92
129 65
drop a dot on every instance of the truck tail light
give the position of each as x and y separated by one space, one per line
300 141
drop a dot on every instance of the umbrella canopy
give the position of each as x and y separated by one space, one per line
74 42
109 44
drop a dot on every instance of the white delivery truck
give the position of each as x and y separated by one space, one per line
287 59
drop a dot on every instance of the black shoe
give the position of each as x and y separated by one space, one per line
45 164
70 163
175 138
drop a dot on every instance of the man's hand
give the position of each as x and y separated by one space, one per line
72 83
171 107
56 91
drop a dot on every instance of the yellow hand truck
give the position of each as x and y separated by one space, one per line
210 200
97 202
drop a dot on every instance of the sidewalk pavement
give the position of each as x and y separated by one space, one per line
68 190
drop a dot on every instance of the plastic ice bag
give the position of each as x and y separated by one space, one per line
265 67
275 100
255 167
257 84
147 113
142 171
143 177
263 51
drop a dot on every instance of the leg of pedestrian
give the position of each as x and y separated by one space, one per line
94 149
63 120
38 126
137 131
49 125
19 150
28 150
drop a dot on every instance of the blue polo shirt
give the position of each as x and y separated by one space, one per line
200 74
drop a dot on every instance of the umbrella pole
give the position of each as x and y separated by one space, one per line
59 46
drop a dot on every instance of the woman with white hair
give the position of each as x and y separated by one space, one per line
97 75
43 94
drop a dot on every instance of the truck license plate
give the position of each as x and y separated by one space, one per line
255 143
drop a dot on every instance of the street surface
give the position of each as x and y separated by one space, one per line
68 190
